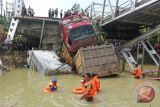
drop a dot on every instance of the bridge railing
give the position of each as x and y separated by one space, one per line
124 7
118 7
94 11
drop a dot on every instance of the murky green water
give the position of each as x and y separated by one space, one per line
24 88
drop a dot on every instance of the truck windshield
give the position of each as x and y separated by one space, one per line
81 32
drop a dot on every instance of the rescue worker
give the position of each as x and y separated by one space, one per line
56 13
137 72
53 85
90 89
50 13
97 81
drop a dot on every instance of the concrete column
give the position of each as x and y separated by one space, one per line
40 43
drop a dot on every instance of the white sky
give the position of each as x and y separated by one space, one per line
41 7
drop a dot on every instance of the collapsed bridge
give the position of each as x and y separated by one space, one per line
123 20
120 20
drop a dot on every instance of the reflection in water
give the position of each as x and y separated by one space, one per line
24 88
137 82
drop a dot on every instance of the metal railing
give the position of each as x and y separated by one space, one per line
119 8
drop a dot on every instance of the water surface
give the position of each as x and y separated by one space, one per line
24 88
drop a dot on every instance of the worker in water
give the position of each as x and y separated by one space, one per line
137 72
96 80
89 88
53 85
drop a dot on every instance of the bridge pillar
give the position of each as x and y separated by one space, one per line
40 43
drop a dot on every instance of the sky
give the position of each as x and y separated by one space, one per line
41 7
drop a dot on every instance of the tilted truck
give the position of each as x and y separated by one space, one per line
78 37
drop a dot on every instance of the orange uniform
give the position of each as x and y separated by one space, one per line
97 83
91 88
137 72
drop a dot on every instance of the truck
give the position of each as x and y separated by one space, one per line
77 31
78 37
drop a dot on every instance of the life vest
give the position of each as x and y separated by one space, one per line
54 85
138 72
93 91
97 83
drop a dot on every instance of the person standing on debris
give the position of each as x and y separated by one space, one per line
32 12
137 72
52 13
56 13
69 13
29 11
61 13
24 11
65 14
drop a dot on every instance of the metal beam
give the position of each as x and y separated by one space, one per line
87 8
93 10
110 6
136 22
135 4
150 13
98 4
145 36
104 3
117 8
131 2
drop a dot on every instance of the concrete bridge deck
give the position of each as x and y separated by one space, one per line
37 19
39 30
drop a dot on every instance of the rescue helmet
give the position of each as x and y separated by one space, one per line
54 80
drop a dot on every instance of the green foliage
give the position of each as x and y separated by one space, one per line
21 39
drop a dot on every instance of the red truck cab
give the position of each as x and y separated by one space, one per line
77 31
